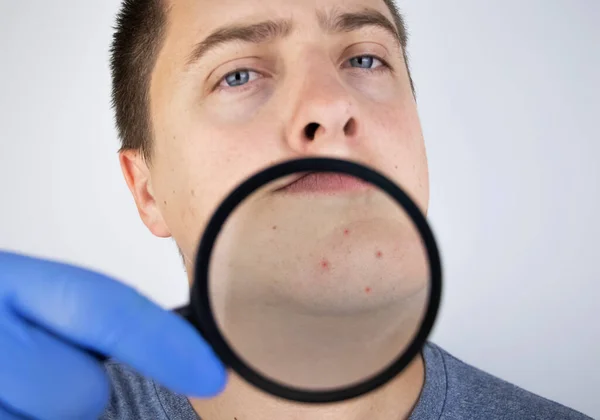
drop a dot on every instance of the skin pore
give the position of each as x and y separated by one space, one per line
220 112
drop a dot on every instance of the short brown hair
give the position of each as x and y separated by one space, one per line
139 35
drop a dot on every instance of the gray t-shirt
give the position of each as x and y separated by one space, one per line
453 390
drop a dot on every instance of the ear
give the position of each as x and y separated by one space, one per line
137 176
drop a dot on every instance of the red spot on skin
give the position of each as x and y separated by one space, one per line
379 254
346 232
324 264
368 290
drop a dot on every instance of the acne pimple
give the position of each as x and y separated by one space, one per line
347 232
325 264
379 254
367 290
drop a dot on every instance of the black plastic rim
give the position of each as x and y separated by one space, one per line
200 297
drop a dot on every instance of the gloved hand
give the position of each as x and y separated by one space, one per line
51 313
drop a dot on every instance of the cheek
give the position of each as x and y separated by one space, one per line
182 207
400 148
200 166
181 185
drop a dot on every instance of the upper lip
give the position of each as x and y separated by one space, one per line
294 179
323 182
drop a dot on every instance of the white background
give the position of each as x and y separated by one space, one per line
509 98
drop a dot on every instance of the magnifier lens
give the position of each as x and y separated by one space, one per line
319 280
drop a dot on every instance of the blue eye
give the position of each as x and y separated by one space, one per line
237 78
364 61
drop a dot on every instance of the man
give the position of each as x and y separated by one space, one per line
206 93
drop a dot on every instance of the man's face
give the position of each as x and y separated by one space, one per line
240 106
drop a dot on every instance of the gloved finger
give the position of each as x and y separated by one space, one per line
7 414
45 378
99 313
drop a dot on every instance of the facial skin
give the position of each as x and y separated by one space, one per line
212 131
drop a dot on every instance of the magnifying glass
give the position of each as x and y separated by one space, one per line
316 280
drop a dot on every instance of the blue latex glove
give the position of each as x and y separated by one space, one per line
51 312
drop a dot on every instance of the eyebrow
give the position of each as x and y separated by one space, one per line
269 30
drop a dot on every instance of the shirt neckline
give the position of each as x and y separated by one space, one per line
430 404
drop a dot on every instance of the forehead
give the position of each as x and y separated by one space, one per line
191 20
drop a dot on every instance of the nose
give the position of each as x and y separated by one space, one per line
324 118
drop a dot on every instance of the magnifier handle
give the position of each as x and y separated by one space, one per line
183 311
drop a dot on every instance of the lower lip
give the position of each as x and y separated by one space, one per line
326 183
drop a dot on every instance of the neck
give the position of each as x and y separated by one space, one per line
240 400
312 350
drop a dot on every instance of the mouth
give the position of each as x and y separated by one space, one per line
324 183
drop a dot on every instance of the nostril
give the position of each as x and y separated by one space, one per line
350 127
310 130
